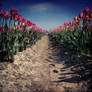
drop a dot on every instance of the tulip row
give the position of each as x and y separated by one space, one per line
13 42
16 34
14 21
76 34
82 21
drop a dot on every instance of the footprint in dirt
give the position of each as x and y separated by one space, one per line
55 71
52 65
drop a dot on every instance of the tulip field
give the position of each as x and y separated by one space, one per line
16 33
77 34
58 60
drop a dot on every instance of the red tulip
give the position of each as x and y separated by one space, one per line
13 11
86 11
6 14
75 18
23 20
29 23
71 23
1 13
87 18
17 16
81 15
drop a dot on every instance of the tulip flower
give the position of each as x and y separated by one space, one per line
6 15
29 23
1 13
75 18
17 17
13 11
86 11
87 18
81 15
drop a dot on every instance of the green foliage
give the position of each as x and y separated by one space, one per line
79 40
15 41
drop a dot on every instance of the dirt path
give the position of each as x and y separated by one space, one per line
40 69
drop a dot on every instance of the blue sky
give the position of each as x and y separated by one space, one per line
48 14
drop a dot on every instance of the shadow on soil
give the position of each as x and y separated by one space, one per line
79 64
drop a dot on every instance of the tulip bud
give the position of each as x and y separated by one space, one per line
1 13
23 24
75 18
81 15
6 14
87 18
86 11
